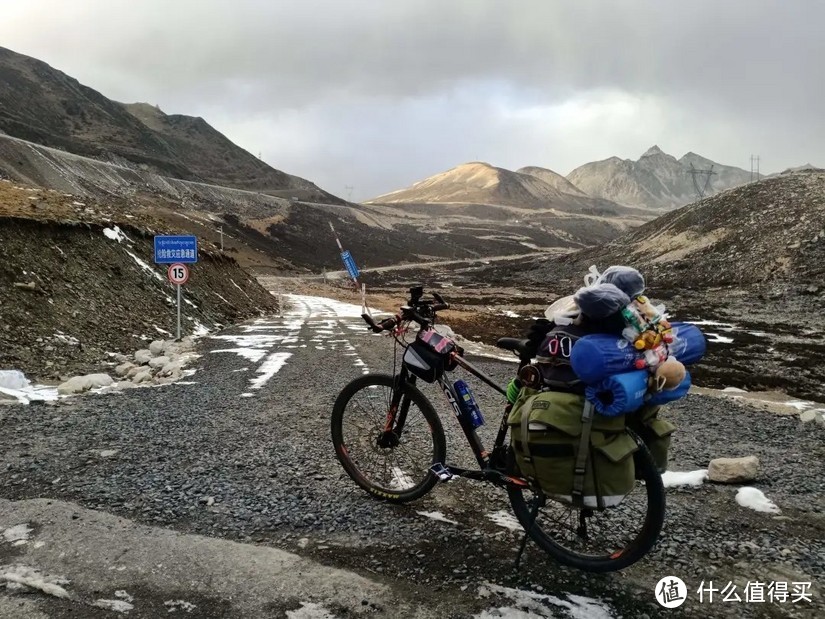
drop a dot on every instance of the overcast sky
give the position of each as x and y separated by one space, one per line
377 94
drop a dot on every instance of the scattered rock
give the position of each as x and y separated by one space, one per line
733 470
143 356
158 362
123 368
172 368
79 384
157 348
143 376
816 416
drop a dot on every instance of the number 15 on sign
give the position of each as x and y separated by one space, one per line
178 274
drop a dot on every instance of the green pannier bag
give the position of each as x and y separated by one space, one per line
554 429
654 432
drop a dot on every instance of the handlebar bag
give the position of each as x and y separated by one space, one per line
427 357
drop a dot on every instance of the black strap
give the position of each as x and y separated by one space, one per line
580 469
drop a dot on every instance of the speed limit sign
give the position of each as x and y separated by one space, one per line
178 273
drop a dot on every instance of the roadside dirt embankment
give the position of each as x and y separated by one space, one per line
79 282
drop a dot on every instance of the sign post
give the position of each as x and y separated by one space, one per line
177 252
178 274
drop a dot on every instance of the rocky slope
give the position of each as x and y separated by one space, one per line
44 105
656 180
750 260
482 183
79 282
768 235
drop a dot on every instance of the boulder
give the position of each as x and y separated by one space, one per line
173 368
816 416
79 384
158 362
123 368
144 376
733 470
143 356
134 371
157 348
186 344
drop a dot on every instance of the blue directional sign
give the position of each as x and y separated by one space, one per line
349 263
170 249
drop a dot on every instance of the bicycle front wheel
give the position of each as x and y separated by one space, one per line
388 455
592 540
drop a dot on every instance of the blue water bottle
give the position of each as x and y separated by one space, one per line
467 404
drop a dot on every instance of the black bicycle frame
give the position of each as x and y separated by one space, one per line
481 454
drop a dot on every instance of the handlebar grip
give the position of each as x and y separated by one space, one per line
440 304
384 325
368 319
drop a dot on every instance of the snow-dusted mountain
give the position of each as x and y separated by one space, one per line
655 180
482 183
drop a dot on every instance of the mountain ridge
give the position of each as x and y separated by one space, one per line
656 180
41 104
482 183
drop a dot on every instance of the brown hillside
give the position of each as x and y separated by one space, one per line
45 106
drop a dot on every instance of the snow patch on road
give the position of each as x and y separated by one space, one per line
18 534
33 578
671 479
437 516
251 354
119 606
269 368
756 500
310 610
528 604
183 605
505 519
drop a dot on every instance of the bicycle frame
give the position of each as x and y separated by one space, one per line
489 462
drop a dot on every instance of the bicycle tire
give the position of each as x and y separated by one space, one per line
614 559
342 452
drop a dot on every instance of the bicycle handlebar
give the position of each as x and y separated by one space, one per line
384 325
422 312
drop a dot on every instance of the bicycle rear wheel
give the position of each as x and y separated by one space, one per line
592 540
391 463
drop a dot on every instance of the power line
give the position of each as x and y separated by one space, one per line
701 188
755 169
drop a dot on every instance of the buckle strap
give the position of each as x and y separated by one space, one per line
581 457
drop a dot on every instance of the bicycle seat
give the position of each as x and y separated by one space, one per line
517 345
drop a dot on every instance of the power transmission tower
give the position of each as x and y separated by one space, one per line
755 169
349 189
701 188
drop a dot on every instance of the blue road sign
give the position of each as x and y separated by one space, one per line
349 263
169 249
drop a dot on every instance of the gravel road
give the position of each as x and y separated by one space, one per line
241 450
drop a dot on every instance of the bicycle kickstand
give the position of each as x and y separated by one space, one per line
533 515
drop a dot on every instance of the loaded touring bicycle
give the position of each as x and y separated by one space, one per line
391 442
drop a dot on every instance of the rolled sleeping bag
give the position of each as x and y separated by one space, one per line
662 397
688 344
597 356
619 394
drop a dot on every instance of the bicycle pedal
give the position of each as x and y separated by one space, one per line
442 472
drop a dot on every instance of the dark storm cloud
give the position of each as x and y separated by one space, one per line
380 93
